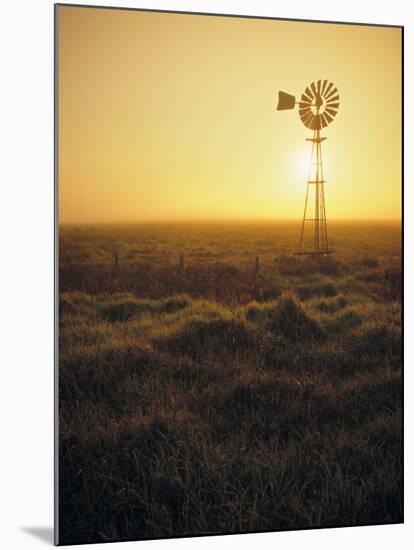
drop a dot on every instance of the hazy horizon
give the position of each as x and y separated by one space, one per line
395 221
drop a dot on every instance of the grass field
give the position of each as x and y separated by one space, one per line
211 382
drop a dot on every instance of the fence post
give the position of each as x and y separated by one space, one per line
115 261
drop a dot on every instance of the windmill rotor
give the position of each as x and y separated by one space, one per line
319 104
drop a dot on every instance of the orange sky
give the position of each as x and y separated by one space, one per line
172 116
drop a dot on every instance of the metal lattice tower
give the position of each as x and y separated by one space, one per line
317 108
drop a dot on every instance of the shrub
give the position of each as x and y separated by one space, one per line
394 282
343 322
174 304
122 310
74 302
292 321
328 266
291 265
285 316
378 340
98 374
331 306
323 289
200 335
369 261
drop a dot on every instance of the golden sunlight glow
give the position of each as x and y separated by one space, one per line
301 164
173 116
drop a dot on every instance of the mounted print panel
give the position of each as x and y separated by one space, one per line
229 274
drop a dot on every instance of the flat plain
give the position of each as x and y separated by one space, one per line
212 382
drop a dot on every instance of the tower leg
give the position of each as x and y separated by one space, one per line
306 200
317 191
323 209
315 179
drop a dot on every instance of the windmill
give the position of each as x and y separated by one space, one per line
317 108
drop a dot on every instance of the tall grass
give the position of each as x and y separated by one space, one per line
211 403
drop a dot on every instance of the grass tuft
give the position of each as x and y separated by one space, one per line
287 317
125 309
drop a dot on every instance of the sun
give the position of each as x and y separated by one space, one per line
300 164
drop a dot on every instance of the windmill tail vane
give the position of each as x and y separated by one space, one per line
318 107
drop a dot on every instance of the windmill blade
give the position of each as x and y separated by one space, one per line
333 106
305 99
331 93
312 122
331 111
324 122
318 86
305 115
325 82
307 119
328 118
308 94
328 89
332 99
314 89
304 107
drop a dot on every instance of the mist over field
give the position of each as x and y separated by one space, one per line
212 382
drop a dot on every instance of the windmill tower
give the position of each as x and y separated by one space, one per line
317 108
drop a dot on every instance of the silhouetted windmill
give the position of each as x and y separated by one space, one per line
317 108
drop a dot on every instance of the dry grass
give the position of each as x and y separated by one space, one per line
212 399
